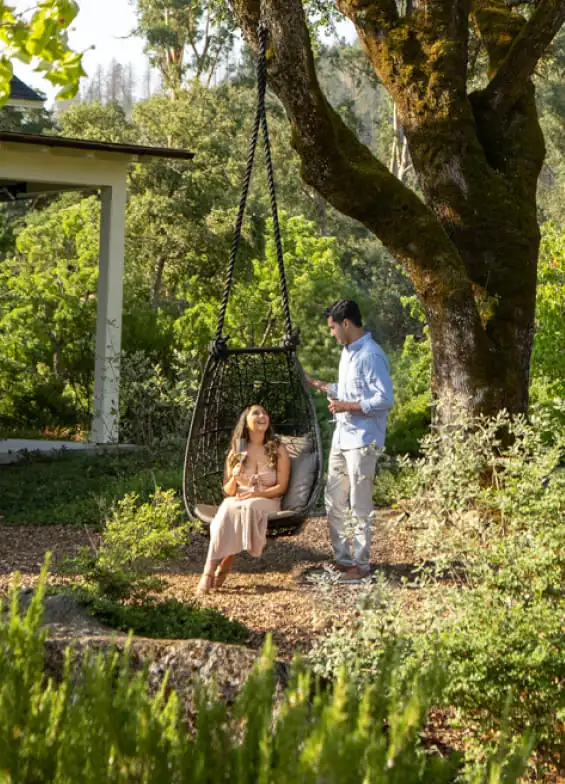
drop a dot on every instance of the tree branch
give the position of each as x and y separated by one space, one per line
431 40
529 45
339 167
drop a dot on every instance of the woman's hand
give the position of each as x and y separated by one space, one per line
236 470
245 495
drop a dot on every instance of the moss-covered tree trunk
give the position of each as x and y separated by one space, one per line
471 246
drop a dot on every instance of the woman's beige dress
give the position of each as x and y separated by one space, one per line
242 525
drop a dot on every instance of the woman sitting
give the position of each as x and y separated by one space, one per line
256 476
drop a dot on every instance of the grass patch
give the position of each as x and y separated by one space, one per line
80 489
166 619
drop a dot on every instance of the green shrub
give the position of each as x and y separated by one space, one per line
164 619
156 401
469 489
409 419
548 359
373 626
101 724
134 540
505 662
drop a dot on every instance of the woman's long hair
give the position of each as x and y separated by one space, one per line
271 442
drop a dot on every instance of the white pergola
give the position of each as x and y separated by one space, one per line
32 165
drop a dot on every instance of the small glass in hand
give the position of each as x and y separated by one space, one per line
332 399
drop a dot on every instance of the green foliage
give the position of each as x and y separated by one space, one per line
41 36
93 121
505 661
485 508
164 618
99 723
255 313
47 316
155 406
78 489
548 357
362 645
410 417
135 539
481 479
185 37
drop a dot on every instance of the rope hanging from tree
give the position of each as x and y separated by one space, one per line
260 122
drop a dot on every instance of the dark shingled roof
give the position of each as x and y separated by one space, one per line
65 142
21 92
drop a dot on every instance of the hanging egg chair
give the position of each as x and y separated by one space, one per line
271 376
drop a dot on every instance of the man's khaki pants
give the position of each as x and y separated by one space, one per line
349 503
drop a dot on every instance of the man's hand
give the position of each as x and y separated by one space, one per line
313 382
341 407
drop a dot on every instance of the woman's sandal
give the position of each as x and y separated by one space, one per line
207 583
222 573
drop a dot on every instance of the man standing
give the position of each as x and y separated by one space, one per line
360 402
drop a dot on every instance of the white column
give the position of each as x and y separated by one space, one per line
109 315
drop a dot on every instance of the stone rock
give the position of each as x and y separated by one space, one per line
188 662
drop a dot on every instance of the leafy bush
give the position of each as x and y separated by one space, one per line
156 403
134 540
101 724
371 627
505 662
548 357
468 489
411 368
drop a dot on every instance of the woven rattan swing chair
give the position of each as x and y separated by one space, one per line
268 375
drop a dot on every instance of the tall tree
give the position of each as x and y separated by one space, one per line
185 36
471 245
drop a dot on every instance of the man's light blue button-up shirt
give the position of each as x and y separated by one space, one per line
364 378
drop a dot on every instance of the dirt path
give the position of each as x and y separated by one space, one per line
272 594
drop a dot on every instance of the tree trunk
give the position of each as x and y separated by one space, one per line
471 246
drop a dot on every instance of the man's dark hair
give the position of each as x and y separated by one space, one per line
345 309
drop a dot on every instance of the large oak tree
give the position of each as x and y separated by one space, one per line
470 246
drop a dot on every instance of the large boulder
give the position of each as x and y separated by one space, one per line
188 662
